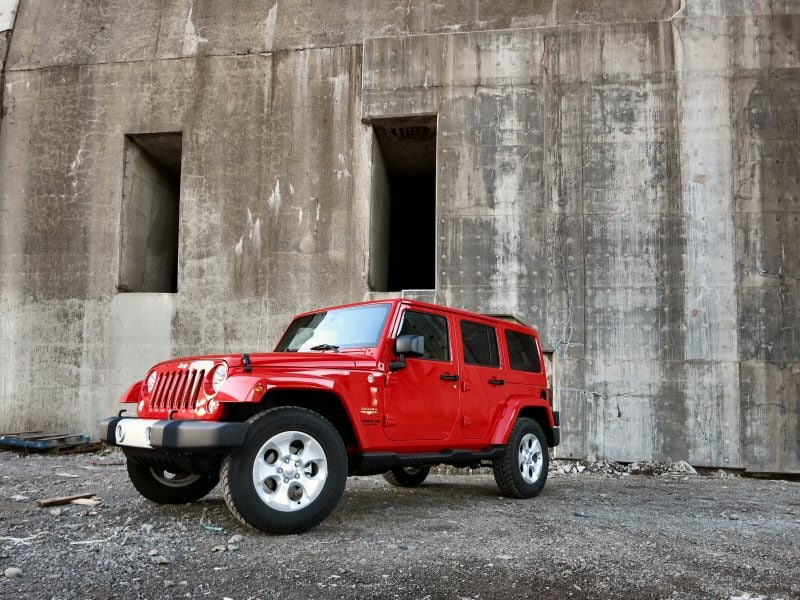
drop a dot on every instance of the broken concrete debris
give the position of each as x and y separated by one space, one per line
610 467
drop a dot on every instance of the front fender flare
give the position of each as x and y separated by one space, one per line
242 387
133 394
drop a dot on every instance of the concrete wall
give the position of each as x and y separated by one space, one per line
623 175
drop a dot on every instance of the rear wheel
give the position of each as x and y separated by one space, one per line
165 487
289 474
407 476
522 471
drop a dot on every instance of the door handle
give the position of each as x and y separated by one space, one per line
448 377
494 381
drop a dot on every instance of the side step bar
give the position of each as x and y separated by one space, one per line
377 462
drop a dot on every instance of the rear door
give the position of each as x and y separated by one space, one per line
483 380
422 399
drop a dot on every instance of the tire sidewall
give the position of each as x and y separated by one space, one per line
243 492
149 486
400 477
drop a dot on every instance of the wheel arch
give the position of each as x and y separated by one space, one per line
533 408
325 403
542 416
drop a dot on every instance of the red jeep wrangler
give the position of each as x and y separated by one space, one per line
389 387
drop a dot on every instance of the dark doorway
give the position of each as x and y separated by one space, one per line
404 203
150 213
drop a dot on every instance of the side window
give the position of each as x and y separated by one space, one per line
433 328
480 344
523 353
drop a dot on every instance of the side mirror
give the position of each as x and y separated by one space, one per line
407 345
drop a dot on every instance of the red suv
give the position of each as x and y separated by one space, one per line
391 387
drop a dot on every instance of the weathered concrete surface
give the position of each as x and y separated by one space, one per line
96 32
8 15
592 180
622 175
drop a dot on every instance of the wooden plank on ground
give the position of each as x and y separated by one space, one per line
45 502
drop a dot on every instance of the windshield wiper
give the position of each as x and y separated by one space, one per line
325 347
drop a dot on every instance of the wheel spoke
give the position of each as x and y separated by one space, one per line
530 459
290 471
264 469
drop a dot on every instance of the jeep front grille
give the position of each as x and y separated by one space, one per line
177 390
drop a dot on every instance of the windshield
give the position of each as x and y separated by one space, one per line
355 327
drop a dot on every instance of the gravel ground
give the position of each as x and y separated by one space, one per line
588 535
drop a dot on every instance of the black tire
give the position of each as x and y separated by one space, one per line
522 471
407 476
292 496
164 487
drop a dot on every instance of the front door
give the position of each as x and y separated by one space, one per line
422 399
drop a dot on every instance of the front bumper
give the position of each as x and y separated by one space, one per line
172 434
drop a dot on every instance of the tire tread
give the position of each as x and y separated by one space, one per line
504 468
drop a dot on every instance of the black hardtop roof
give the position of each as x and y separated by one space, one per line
505 318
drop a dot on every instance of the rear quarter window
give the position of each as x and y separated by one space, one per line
523 352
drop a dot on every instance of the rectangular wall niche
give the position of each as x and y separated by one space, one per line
150 211
403 227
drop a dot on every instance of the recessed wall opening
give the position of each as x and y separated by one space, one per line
150 212
403 232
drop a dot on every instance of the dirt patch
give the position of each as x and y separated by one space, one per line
589 535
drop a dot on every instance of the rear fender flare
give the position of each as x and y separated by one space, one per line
512 409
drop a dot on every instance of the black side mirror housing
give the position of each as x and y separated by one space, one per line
410 345
407 345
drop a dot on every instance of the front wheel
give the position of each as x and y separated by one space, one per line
165 487
522 471
289 473
407 476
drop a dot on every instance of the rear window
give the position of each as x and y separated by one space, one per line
523 354
480 344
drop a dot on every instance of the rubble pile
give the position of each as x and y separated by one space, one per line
606 467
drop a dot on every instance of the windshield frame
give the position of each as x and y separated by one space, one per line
303 320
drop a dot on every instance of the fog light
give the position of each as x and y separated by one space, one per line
147 436
212 407
120 433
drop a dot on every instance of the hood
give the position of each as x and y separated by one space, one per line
287 360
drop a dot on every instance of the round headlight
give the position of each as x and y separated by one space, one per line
151 382
220 375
